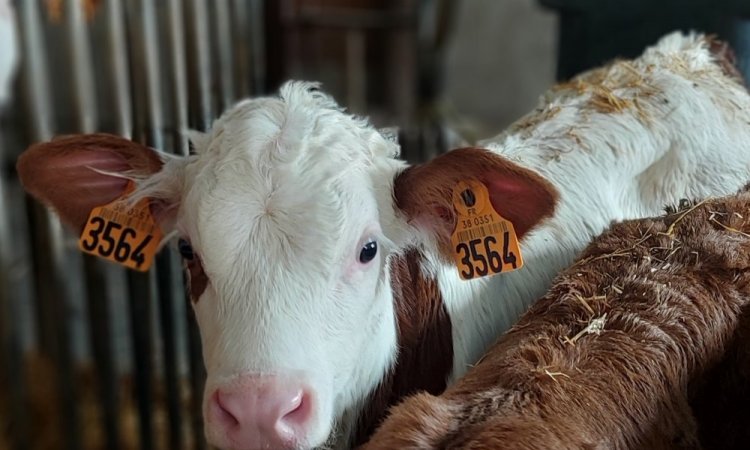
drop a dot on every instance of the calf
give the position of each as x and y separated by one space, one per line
321 268
605 359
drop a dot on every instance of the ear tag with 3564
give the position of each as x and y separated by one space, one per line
126 236
483 242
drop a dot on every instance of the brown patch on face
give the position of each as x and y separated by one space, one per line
669 293
425 192
724 56
425 342
197 278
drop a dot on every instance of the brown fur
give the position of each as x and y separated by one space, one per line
725 57
425 341
51 172
673 290
425 192
197 278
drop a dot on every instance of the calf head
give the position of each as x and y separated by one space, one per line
288 216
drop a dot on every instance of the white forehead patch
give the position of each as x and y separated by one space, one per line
276 181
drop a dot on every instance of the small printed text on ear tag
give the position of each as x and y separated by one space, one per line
127 236
483 243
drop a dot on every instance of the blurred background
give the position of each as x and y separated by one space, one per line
96 357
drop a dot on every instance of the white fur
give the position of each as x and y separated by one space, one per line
283 191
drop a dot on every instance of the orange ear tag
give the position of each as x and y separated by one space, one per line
125 236
484 242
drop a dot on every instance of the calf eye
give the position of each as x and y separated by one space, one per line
368 252
186 250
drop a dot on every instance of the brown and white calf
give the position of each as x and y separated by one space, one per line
318 260
606 358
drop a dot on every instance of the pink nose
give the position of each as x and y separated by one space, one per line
258 412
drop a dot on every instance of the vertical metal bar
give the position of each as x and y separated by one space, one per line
200 85
35 71
11 361
171 319
119 68
197 379
123 125
154 137
49 260
142 334
80 57
178 75
223 48
201 117
98 301
241 44
167 320
101 343
149 123
149 97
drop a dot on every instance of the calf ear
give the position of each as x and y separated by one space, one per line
74 174
424 193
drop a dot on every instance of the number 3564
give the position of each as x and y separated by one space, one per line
482 255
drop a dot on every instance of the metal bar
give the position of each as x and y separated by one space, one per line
198 48
35 71
119 68
53 295
241 44
149 125
39 108
80 57
223 49
146 47
101 343
172 321
123 125
178 75
142 334
201 117
10 350
98 301
197 378
167 319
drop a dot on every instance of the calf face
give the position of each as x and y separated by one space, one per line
288 216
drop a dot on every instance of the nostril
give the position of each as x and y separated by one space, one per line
296 414
292 405
222 413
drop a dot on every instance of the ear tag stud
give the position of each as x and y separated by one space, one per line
129 237
483 242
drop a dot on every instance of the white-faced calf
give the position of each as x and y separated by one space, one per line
319 262
607 357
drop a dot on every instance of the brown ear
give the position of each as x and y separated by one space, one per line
424 192
66 172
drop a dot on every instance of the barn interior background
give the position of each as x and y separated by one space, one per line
93 356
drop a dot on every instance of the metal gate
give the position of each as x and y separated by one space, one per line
94 356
